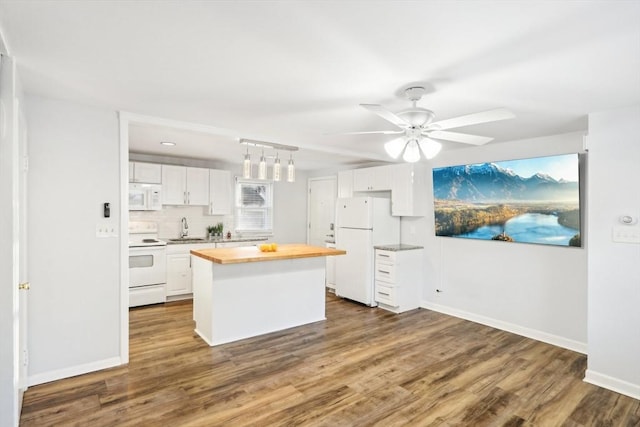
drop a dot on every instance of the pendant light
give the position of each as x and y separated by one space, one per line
262 164
246 165
291 170
262 167
276 168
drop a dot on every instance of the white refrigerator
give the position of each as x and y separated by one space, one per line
362 223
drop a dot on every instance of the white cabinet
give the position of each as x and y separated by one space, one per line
408 192
178 274
345 183
150 173
219 192
372 179
185 185
330 268
398 279
179 269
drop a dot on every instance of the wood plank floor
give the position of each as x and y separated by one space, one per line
361 367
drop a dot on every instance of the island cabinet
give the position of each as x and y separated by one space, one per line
241 292
219 192
398 277
148 173
179 268
183 185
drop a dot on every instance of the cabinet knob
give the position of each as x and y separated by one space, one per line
24 286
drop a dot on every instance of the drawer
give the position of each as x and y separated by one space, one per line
386 295
385 257
385 272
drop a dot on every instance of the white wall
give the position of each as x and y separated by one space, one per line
614 268
533 290
74 313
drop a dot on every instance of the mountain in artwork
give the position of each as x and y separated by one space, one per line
487 182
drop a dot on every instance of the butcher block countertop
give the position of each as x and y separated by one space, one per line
253 253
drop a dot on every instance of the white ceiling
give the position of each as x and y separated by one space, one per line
294 72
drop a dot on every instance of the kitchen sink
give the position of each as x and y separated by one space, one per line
188 240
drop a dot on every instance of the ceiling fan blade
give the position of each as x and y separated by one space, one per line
472 119
458 137
387 115
381 132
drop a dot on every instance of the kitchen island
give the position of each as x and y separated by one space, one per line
242 292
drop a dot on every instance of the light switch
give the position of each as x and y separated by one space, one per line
626 234
106 230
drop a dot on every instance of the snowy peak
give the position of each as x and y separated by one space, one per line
490 182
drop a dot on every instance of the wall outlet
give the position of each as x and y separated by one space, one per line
626 234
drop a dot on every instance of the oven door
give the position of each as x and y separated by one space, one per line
147 265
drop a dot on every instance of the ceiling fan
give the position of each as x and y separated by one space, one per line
420 131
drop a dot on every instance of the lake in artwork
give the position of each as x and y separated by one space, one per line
527 201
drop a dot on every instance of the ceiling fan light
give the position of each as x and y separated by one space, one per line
394 147
430 148
411 152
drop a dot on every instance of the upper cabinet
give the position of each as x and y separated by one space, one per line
345 184
372 179
219 192
150 173
185 185
408 193
406 181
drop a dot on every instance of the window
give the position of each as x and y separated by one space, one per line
254 206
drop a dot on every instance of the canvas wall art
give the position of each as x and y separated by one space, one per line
534 200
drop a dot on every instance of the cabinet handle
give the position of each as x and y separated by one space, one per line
383 271
184 197
211 208
188 198
383 255
383 293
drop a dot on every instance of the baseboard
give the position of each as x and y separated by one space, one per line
73 371
613 384
509 327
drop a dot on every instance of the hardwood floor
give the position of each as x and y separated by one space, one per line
360 367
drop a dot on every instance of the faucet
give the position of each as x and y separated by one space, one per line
184 232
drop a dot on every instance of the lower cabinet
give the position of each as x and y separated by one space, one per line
330 267
179 269
398 279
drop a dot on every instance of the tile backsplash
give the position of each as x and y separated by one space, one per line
169 225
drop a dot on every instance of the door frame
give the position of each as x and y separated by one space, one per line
333 178
125 120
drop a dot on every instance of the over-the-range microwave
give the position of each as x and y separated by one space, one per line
145 197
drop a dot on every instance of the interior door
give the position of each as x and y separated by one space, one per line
23 295
322 207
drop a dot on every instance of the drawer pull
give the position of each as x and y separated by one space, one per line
383 255
383 271
383 293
